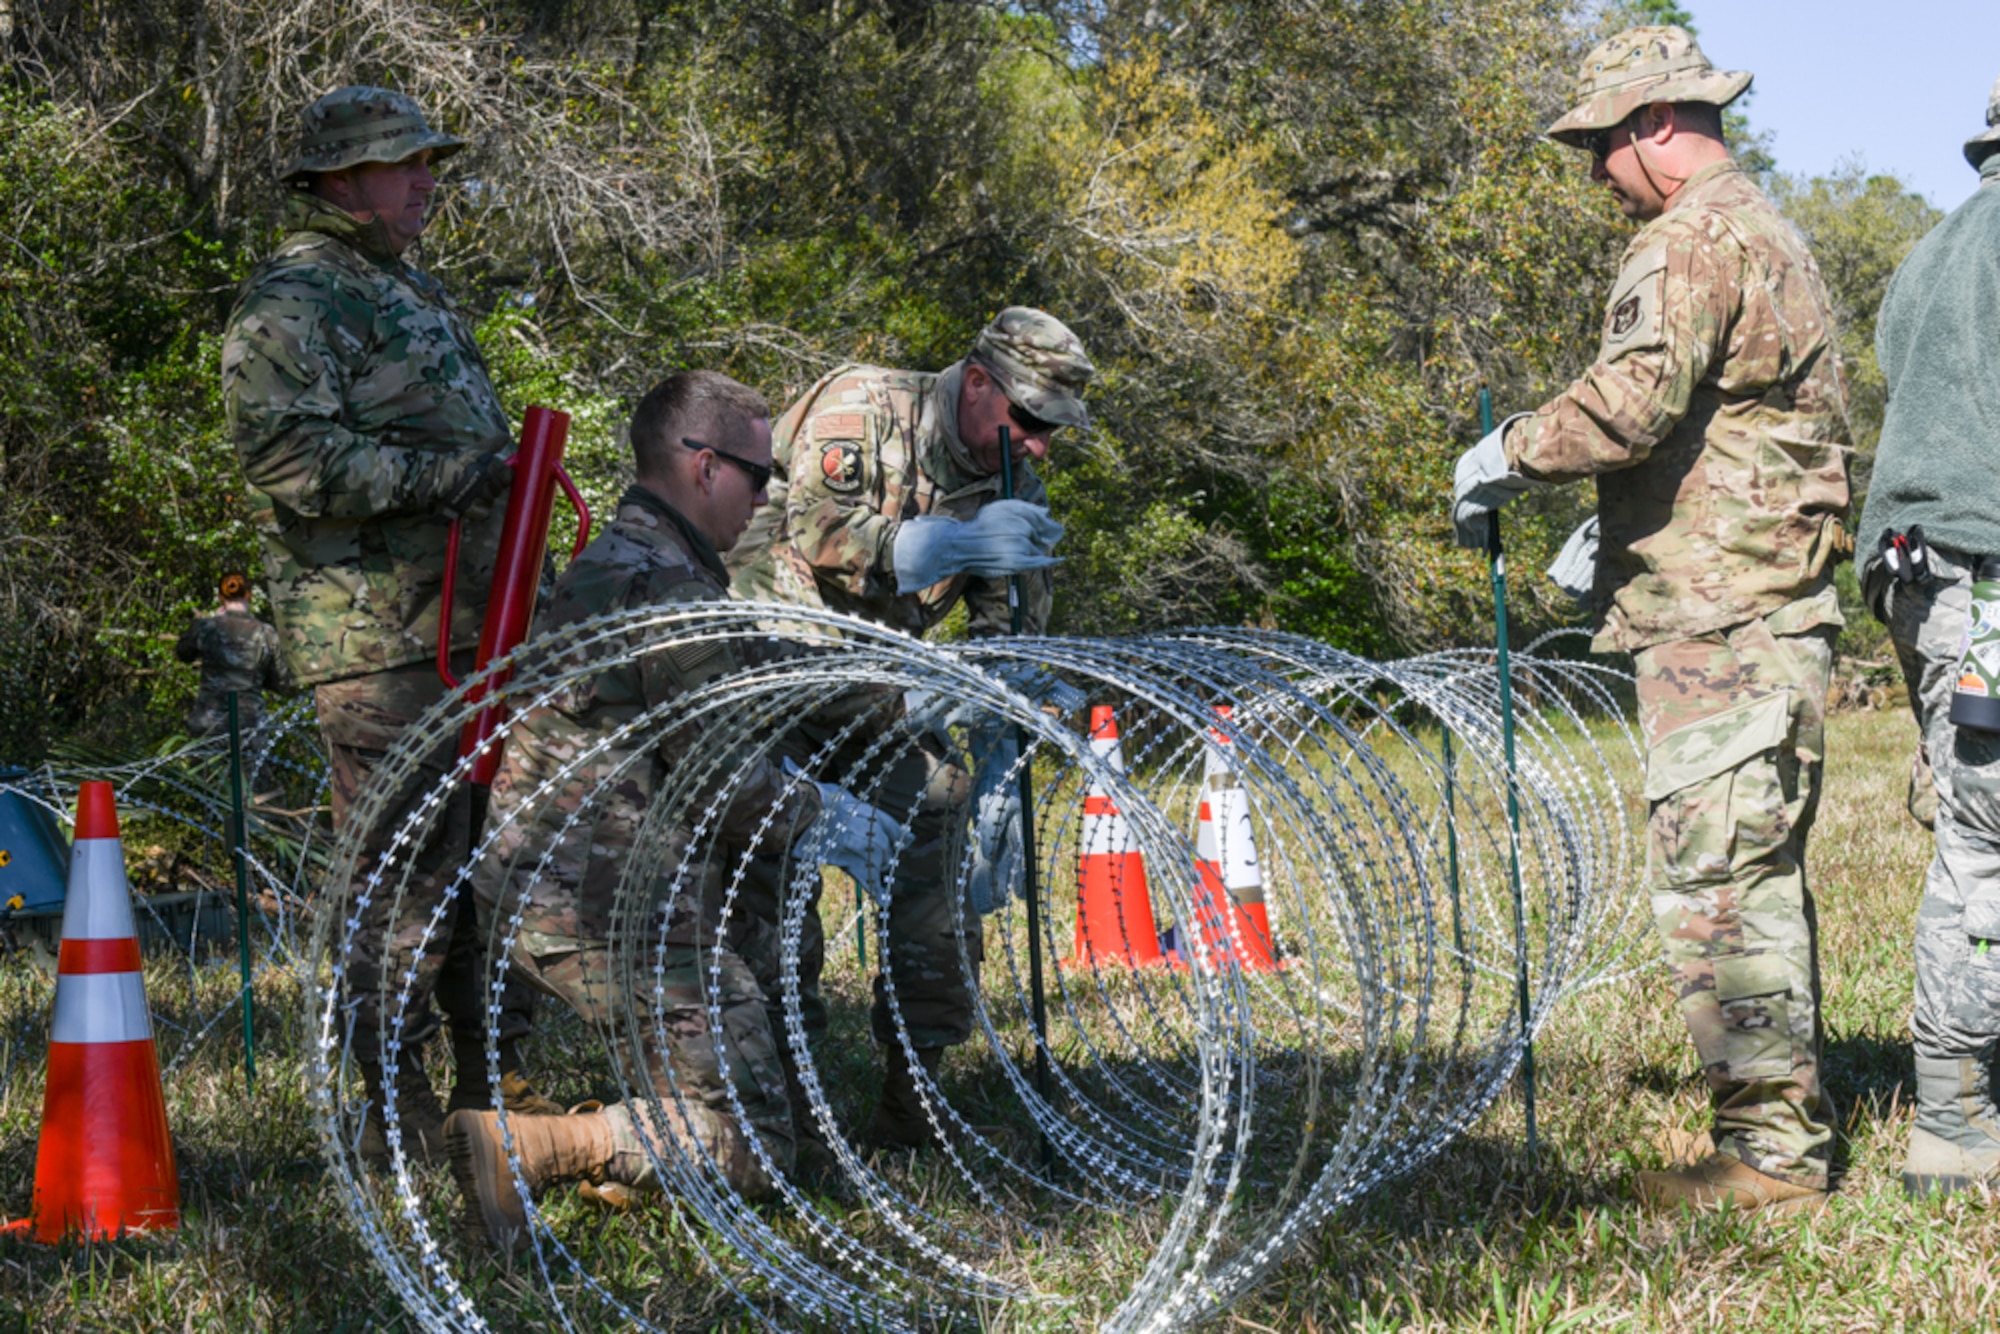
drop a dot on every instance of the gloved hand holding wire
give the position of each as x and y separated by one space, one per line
996 817
1005 537
860 839
932 710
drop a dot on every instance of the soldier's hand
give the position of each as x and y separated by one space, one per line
996 818
1482 484
1575 568
482 477
860 839
1005 537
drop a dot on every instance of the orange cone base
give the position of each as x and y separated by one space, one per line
1114 914
1217 913
105 1167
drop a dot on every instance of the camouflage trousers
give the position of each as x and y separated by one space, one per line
1958 983
1735 725
656 1022
360 718
929 921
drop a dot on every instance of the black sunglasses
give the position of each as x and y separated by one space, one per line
1029 423
1598 142
758 473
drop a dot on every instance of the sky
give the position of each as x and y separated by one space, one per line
1901 84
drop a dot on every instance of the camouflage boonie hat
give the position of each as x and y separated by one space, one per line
1980 146
356 124
1636 68
1038 363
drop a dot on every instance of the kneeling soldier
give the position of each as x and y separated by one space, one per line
702 448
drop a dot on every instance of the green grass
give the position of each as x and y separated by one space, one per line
1475 1241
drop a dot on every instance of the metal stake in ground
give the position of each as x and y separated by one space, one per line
1025 780
240 836
1497 560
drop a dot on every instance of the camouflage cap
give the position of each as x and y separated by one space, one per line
356 124
1039 364
1636 68
1980 146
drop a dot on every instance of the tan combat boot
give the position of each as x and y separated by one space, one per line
900 1120
1955 1142
1719 1179
552 1149
419 1120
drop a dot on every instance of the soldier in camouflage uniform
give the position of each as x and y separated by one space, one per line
361 410
238 654
1714 421
1935 475
862 454
578 880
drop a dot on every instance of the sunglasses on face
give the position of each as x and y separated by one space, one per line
1599 142
1029 423
758 473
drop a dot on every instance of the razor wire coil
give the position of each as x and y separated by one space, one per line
1230 1104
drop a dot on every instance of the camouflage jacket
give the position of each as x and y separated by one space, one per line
356 397
648 556
238 652
1715 422
862 451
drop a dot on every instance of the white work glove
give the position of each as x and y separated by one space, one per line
996 818
1005 537
1575 568
1482 484
858 838
933 711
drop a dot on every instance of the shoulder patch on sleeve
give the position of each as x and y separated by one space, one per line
1632 320
840 466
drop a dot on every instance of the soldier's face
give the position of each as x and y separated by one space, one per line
1620 171
399 193
729 496
982 410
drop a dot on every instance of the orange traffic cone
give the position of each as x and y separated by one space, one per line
1114 911
1229 906
105 1166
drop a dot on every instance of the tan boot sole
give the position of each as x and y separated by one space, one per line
479 1165
1661 1194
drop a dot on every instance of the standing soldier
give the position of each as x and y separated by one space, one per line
701 444
888 506
239 655
1935 488
1715 423
362 413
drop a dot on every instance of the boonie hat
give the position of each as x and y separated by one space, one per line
356 124
1636 68
1038 363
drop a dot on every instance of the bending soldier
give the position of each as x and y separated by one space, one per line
362 413
702 449
1934 486
1714 421
238 654
888 506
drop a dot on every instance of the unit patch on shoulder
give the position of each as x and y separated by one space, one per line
840 466
1633 320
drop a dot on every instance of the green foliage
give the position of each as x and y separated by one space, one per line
1296 238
